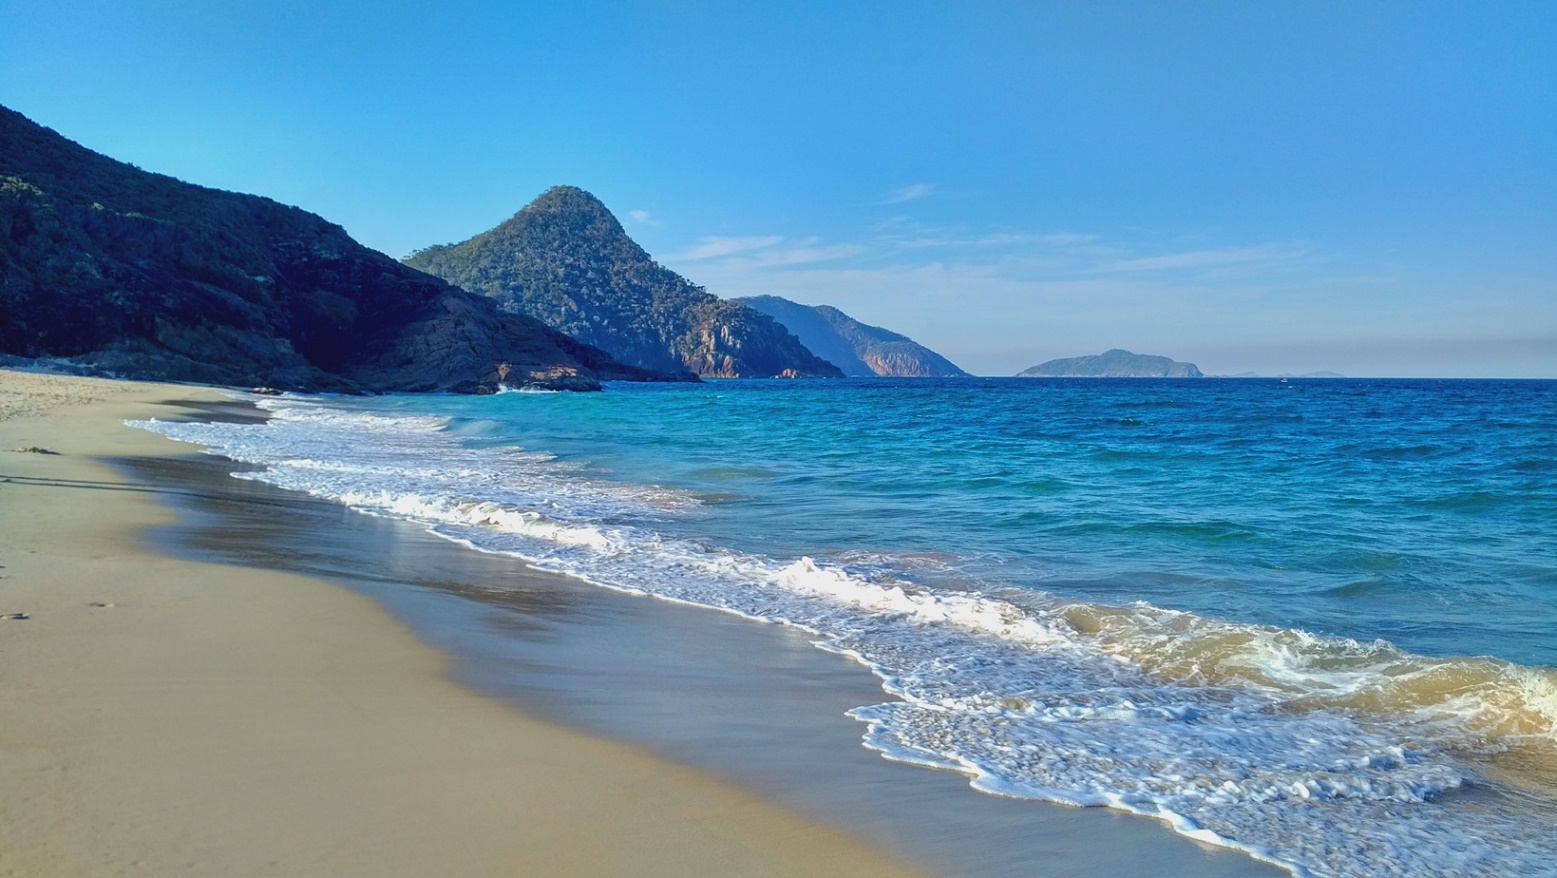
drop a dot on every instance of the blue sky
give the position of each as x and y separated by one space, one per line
1369 188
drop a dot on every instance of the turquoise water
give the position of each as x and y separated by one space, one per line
1424 513
1315 619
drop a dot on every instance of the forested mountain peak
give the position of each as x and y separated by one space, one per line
566 260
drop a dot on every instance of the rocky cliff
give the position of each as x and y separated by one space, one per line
859 349
565 260
151 277
1113 364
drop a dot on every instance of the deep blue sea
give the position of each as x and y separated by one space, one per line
1313 619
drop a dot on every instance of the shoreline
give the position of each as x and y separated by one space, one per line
755 710
751 702
172 715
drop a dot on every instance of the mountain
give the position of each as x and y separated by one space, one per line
1113 364
151 277
565 260
859 349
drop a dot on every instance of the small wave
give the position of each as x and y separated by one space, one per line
1403 452
1204 531
1464 501
1150 404
734 473
1214 531
1113 455
1480 703
1361 588
477 426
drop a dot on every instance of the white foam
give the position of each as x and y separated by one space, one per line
1031 696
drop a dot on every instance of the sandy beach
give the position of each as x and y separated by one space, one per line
166 716
208 675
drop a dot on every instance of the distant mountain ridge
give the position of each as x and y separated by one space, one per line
151 277
565 260
859 349
1116 363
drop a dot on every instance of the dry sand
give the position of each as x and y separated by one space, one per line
162 716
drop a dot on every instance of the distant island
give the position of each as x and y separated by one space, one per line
859 349
1113 364
565 260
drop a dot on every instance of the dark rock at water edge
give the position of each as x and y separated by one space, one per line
1113 364
859 349
145 276
566 260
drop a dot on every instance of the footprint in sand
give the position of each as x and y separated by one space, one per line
14 616
102 604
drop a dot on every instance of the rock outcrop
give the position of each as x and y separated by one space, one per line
859 349
1113 364
146 276
565 260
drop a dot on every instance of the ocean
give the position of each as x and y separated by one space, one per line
1315 619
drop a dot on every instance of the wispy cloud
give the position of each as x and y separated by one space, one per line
1048 240
1067 239
904 233
912 192
806 252
754 251
642 218
715 247
1214 258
